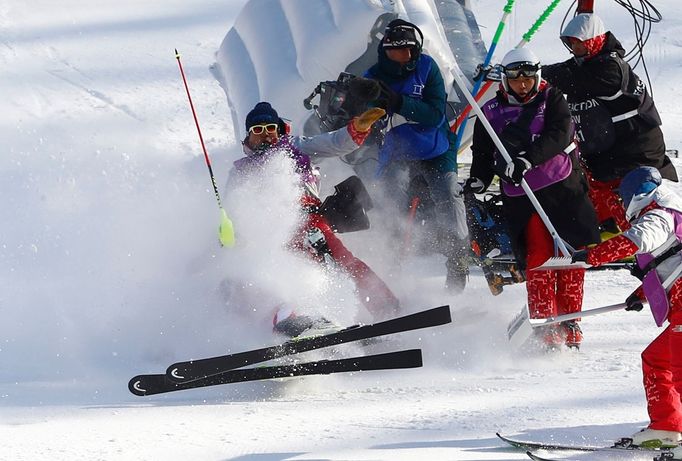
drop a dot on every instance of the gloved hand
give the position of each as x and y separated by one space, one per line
517 168
473 186
364 121
389 99
364 89
579 256
634 303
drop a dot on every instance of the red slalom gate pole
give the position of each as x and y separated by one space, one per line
465 112
226 229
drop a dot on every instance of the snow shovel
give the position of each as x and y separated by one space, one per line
522 326
561 262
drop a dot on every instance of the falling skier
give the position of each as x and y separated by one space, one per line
655 214
267 136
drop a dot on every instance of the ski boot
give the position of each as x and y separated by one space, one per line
651 439
574 335
550 337
287 323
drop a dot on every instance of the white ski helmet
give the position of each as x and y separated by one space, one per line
521 58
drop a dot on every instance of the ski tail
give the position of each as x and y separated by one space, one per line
184 372
144 385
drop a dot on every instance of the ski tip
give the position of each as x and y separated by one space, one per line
135 386
175 373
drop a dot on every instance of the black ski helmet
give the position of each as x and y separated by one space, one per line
402 34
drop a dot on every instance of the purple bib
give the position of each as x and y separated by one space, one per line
547 173
285 145
652 284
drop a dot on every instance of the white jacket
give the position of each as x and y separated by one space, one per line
653 229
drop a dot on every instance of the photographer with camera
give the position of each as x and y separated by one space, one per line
419 142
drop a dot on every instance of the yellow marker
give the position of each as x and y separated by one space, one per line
226 230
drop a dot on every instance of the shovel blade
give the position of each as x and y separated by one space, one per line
561 262
520 329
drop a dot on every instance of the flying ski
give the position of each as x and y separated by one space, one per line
226 369
182 372
144 385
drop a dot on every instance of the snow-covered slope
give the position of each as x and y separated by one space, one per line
110 267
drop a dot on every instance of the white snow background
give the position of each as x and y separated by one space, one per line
110 267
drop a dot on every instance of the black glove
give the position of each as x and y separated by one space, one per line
515 170
515 139
579 256
365 89
389 99
473 186
634 303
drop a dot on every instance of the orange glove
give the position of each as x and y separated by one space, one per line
364 121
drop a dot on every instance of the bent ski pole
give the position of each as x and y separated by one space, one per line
477 84
559 243
226 229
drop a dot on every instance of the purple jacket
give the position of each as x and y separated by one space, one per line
255 160
549 172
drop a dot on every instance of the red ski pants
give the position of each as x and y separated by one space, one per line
373 292
606 201
662 369
550 293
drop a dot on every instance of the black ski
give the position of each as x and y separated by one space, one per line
185 372
158 383
536 457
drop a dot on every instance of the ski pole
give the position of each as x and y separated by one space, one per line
524 41
501 149
467 109
226 229
488 57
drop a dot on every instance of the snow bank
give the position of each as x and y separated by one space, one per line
283 62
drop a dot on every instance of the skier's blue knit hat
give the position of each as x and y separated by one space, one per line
262 113
641 180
